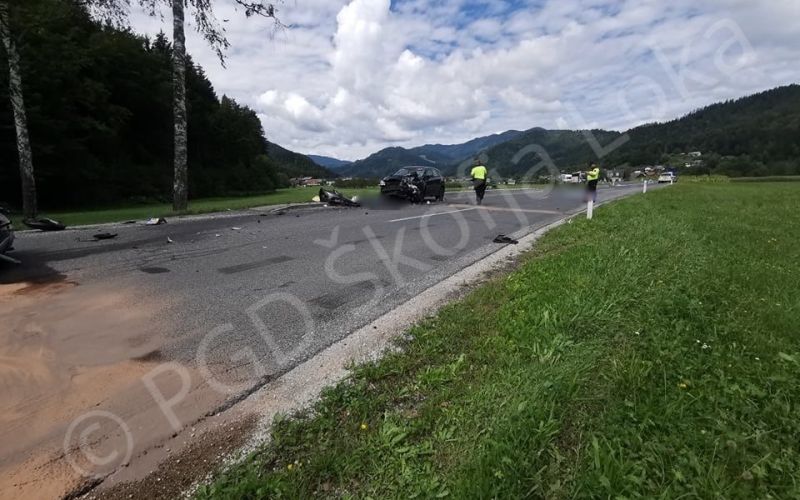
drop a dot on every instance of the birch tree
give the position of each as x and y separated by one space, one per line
206 24
180 185
29 202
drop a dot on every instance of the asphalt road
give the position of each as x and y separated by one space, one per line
343 266
248 295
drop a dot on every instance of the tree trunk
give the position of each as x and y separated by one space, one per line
180 187
20 120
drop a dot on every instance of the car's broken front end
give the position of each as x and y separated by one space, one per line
405 187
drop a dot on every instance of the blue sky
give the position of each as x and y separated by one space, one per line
353 76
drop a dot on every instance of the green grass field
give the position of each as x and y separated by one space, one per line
200 206
771 178
650 352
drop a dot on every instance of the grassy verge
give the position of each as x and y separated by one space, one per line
771 178
705 179
200 206
650 353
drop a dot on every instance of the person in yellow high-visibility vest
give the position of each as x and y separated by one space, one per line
479 175
592 178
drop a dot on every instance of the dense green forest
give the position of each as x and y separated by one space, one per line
756 135
99 105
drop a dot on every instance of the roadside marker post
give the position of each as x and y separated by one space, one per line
644 186
589 209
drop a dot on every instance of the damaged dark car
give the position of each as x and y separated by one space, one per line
414 183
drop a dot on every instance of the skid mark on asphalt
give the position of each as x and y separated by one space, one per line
163 254
364 240
254 265
154 270
441 258
335 300
100 248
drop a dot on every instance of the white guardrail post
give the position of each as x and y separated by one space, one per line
589 208
644 186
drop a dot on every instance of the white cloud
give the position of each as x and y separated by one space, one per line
351 77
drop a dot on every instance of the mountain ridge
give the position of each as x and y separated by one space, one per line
751 135
329 162
296 164
442 156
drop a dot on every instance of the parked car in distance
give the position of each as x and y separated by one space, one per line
667 177
414 183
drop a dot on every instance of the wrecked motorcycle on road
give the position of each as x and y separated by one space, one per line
336 199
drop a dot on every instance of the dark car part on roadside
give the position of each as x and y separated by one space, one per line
105 236
414 184
336 199
44 224
502 238
6 239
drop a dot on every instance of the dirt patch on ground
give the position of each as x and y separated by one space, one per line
42 286
65 350
201 457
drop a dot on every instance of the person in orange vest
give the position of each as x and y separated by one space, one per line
479 175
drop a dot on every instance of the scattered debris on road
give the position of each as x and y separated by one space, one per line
155 221
502 238
105 236
44 224
169 240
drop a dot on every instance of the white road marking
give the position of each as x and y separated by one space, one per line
434 214
515 210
